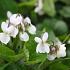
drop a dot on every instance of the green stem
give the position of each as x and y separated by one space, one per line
67 37
43 65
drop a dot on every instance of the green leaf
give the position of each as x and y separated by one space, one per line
25 53
6 52
9 55
49 7
3 66
66 62
38 58
65 11
58 66
11 66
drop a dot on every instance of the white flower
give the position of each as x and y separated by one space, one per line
29 27
14 32
62 51
4 38
23 36
42 46
26 26
51 57
58 50
27 20
8 31
16 19
39 8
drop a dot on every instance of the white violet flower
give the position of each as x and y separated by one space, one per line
8 31
43 46
27 26
58 50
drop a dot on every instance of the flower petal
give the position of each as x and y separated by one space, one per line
41 48
4 26
14 32
62 51
32 29
10 29
16 19
51 57
9 14
27 20
45 37
46 46
24 36
38 40
7 29
61 54
4 38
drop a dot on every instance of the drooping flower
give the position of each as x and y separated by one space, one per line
39 7
27 27
43 46
58 50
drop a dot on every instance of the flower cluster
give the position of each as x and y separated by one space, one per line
56 50
14 25
39 7
17 25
